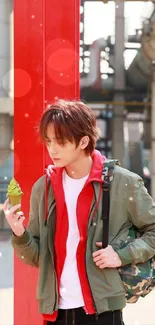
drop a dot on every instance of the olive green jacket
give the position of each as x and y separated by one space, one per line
130 204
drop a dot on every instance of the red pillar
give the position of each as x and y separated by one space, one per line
46 63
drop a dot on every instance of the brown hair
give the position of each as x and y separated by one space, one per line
72 120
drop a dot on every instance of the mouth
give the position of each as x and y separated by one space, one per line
55 159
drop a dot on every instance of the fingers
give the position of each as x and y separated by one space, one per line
17 216
100 261
103 266
14 218
5 205
19 221
98 258
12 210
98 253
106 258
106 251
11 215
15 208
99 244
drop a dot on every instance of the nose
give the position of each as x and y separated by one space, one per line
52 149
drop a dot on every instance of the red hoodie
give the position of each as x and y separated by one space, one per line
83 208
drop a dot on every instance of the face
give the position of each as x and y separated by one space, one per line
66 154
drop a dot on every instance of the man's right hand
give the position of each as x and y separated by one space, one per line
14 219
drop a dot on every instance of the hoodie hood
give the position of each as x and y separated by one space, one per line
95 173
54 175
97 166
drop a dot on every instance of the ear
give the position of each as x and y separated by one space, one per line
84 142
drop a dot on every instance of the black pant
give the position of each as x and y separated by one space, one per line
78 316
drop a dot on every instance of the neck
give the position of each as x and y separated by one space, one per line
80 168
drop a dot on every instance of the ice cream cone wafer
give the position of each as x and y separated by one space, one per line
15 200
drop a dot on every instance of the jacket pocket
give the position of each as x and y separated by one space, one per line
113 281
46 278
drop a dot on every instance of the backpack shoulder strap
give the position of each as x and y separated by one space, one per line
108 170
107 177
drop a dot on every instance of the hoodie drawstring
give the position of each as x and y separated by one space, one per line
46 200
97 204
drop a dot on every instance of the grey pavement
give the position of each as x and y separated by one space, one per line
6 279
141 313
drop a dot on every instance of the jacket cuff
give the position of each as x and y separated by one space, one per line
125 255
21 240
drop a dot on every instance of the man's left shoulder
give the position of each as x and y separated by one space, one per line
127 174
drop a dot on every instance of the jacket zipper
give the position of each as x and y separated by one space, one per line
91 292
95 205
91 223
56 293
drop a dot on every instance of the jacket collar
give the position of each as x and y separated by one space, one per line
55 176
97 167
95 173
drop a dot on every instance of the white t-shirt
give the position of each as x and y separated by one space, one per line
70 288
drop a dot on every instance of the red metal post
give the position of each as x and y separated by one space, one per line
46 63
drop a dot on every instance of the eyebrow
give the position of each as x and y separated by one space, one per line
47 138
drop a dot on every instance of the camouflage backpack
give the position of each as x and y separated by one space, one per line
139 279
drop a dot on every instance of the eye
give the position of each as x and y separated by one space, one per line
47 142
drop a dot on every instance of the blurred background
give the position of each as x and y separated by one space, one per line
117 62
6 100
117 79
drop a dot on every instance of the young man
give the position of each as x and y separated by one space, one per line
79 281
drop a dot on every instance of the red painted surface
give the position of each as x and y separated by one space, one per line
46 62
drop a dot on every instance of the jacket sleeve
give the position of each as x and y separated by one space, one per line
141 211
27 246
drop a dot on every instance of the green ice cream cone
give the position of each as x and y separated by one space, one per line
14 193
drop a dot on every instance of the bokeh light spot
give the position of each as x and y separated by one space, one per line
23 83
61 60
